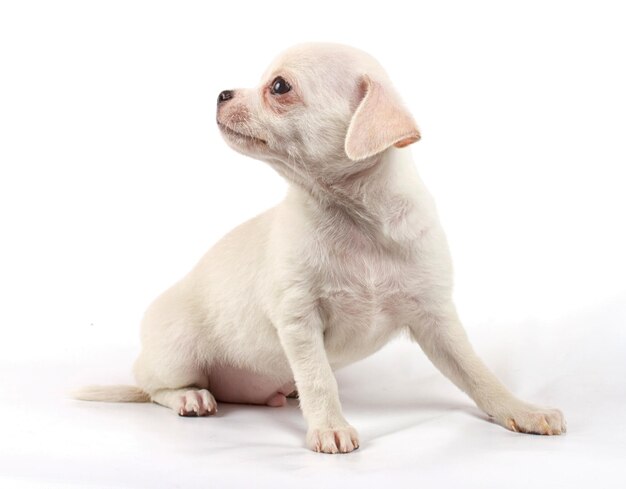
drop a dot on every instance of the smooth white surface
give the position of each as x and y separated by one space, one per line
114 181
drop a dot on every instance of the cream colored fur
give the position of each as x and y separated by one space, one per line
352 257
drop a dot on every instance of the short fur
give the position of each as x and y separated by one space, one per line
352 257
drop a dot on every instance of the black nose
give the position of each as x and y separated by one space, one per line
224 96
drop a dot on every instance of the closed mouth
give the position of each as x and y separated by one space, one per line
239 135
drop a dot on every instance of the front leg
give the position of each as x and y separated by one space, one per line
440 334
303 342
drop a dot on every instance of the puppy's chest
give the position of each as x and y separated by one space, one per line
364 300
365 289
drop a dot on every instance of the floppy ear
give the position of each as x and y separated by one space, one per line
380 121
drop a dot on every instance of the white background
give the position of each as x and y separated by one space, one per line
114 181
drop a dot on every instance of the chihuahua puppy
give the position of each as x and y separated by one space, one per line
353 256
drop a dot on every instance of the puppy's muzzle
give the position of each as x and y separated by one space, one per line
224 96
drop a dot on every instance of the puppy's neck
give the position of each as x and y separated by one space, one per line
382 201
360 195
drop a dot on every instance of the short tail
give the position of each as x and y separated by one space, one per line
111 393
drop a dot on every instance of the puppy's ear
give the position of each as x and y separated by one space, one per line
380 121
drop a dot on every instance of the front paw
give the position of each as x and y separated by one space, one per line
526 418
328 439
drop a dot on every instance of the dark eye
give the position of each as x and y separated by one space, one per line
280 86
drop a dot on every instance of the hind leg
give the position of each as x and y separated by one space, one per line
172 365
176 385
188 401
180 389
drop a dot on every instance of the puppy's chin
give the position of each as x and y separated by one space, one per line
243 143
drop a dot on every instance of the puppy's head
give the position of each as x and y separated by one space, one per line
322 111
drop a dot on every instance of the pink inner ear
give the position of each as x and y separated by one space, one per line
379 122
406 141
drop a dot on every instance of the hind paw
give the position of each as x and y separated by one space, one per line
197 402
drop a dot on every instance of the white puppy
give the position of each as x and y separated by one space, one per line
353 256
